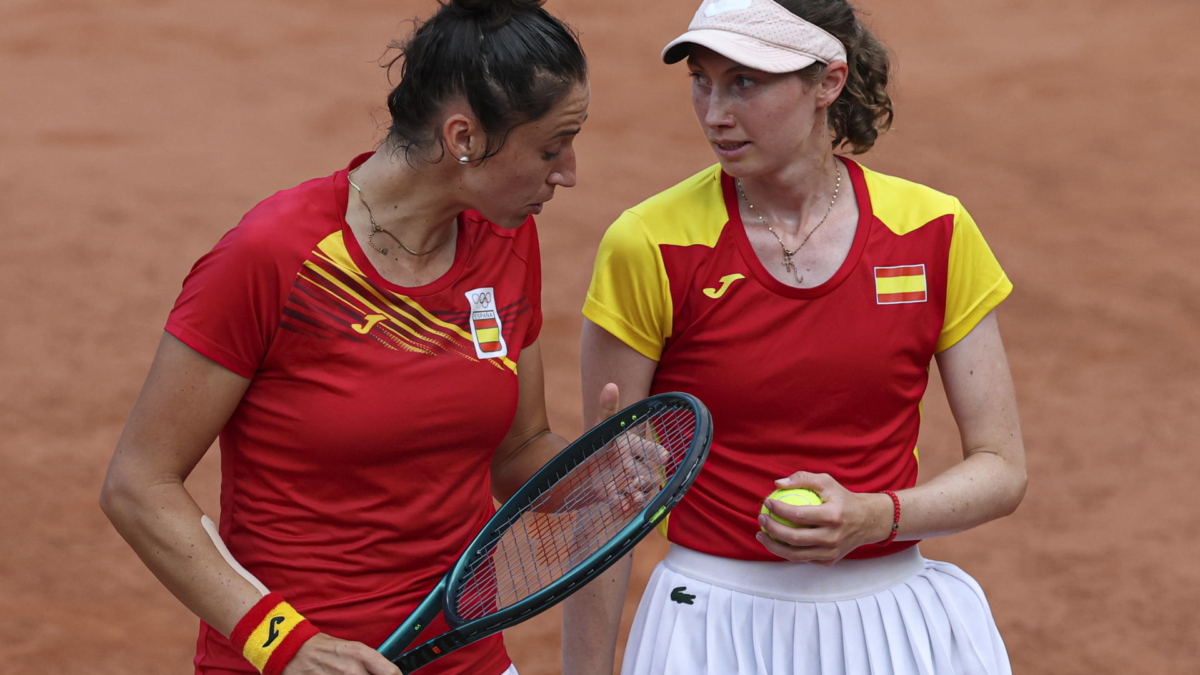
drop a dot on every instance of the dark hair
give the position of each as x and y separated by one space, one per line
864 108
510 59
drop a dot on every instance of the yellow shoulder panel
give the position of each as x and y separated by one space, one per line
334 247
630 293
692 212
903 205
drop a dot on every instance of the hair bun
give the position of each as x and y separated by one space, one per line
498 11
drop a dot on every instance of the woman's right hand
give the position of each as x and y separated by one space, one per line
326 655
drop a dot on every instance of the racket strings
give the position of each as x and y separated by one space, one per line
589 504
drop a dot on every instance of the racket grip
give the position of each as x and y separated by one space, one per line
429 652
418 621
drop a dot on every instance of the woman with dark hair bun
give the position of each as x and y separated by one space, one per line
365 345
802 297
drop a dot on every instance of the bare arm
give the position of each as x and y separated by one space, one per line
592 617
529 443
989 483
183 405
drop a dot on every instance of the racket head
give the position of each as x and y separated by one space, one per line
523 562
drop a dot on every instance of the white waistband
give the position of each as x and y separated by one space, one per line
800 582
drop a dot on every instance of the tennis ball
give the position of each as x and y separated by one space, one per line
794 496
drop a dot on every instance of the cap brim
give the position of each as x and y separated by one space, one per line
747 51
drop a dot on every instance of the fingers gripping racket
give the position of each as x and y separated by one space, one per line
572 520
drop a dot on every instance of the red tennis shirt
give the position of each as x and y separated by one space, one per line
826 379
356 467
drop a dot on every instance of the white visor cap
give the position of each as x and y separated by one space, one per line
759 34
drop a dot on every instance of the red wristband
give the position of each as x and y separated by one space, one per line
895 518
271 633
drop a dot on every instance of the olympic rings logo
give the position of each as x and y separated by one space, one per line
482 300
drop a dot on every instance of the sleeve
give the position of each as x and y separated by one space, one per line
630 294
533 283
975 284
230 305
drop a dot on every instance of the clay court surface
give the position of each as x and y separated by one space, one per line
135 132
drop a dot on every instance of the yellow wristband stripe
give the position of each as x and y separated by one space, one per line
269 634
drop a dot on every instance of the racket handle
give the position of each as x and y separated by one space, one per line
419 620
429 652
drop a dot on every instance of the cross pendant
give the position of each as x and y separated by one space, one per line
788 264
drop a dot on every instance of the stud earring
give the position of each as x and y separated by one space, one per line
464 159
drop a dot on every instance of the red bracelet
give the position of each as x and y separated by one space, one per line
271 633
895 519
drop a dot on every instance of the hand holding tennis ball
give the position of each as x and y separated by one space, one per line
795 497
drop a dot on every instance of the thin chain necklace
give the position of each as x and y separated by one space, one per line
375 228
788 264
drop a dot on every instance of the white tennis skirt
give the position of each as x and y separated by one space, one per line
898 615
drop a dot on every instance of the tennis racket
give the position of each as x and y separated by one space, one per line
572 520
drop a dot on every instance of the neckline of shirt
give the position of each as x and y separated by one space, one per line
341 198
861 233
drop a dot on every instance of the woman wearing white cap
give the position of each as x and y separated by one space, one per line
803 296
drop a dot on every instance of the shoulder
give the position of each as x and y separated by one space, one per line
903 205
689 213
285 227
291 216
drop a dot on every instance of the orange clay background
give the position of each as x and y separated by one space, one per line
133 133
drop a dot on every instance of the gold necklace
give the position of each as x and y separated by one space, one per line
375 228
788 264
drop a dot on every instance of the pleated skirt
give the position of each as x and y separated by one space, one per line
898 615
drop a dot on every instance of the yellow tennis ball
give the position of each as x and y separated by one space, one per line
794 496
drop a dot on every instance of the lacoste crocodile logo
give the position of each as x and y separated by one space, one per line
726 280
678 595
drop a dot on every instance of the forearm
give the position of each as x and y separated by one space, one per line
983 487
519 466
990 481
161 522
591 621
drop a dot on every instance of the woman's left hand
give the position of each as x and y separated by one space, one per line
824 533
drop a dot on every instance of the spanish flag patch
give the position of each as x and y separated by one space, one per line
487 332
900 285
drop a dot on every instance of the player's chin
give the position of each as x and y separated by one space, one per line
742 167
511 219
